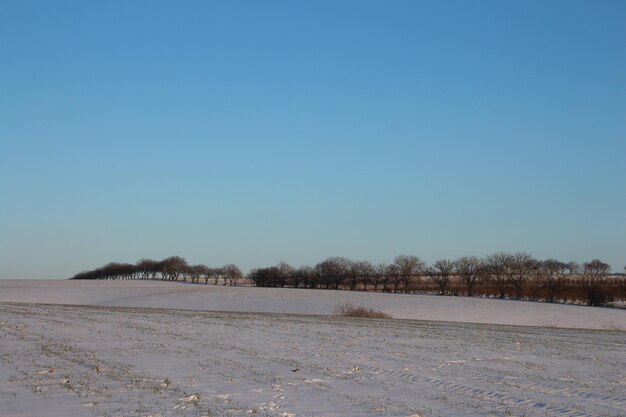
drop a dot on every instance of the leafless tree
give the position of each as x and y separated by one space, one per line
469 270
552 281
216 274
207 273
196 272
264 277
394 276
333 271
596 268
380 277
522 267
407 268
367 274
592 283
353 274
571 268
440 273
301 277
621 285
116 270
286 272
146 267
173 267
231 273
499 267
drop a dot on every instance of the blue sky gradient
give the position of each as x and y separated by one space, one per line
255 132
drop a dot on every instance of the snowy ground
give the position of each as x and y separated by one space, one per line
92 360
188 296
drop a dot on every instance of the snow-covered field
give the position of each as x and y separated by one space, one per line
128 360
172 295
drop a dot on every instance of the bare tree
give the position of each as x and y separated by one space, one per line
333 271
216 274
522 266
173 267
498 268
146 268
571 268
382 276
621 285
116 270
353 274
596 268
192 273
441 273
305 276
552 280
206 274
196 272
265 277
592 283
286 272
367 274
231 273
469 270
273 276
407 267
394 276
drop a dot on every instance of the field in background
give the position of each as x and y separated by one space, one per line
173 295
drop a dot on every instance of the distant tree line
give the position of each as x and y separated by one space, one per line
173 268
500 275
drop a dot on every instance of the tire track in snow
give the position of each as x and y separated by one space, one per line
393 370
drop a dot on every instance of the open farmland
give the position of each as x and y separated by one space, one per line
178 295
63 360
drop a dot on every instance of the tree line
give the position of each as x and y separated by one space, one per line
173 268
500 275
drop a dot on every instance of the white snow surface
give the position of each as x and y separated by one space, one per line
143 348
178 295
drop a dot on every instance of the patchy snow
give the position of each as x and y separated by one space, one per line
159 294
62 360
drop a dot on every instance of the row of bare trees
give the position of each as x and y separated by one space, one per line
501 275
173 268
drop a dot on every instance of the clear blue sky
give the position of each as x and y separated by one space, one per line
254 132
